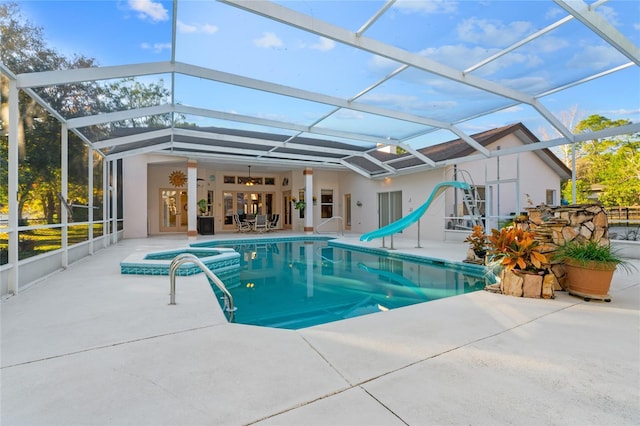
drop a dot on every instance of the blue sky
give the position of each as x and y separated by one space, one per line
457 34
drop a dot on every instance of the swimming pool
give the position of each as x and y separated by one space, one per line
299 283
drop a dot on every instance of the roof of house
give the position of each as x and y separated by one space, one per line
460 149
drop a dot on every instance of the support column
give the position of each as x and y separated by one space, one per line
90 195
192 198
64 190
13 187
308 198
114 202
106 200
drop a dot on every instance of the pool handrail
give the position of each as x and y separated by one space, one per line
414 216
332 218
190 258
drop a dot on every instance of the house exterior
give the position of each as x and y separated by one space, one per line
157 194
506 185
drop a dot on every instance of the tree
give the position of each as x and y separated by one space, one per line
612 163
24 49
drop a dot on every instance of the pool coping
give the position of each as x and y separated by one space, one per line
221 259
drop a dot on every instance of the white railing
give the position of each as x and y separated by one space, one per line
331 219
190 258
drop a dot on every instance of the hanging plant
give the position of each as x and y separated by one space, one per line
202 205
299 205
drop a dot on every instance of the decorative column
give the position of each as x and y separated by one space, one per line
308 198
192 199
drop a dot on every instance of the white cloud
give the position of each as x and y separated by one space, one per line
185 28
458 56
349 114
324 45
493 33
156 47
624 112
511 109
528 84
595 57
555 13
268 40
148 9
406 102
209 29
426 6
609 14
461 57
191 29
549 43
380 63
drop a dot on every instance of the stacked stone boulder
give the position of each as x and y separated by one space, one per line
556 226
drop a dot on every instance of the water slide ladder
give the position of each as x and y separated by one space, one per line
470 196
190 258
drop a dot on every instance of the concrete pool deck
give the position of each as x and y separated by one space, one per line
89 346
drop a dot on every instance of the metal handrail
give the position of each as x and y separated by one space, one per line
188 257
329 220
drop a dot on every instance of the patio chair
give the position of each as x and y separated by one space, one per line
241 225
261 223
273 223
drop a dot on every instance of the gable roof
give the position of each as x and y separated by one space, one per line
460 149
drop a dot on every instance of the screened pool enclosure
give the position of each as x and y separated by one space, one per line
360 86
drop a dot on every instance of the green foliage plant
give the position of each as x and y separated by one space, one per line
591 253
202 205
514 248
478 240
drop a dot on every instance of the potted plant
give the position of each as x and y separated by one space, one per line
522 261
202 206
299 205
589 267
478 241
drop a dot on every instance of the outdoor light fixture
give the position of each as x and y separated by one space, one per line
249 182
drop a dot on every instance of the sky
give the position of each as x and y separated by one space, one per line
457 34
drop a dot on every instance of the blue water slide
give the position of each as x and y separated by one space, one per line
414 216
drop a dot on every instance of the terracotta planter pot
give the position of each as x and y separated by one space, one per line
591 281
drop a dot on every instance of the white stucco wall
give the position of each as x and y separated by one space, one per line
134 170
147 174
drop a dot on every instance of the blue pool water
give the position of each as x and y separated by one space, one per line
300 283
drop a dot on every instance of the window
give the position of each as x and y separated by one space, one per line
326 203
551 197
